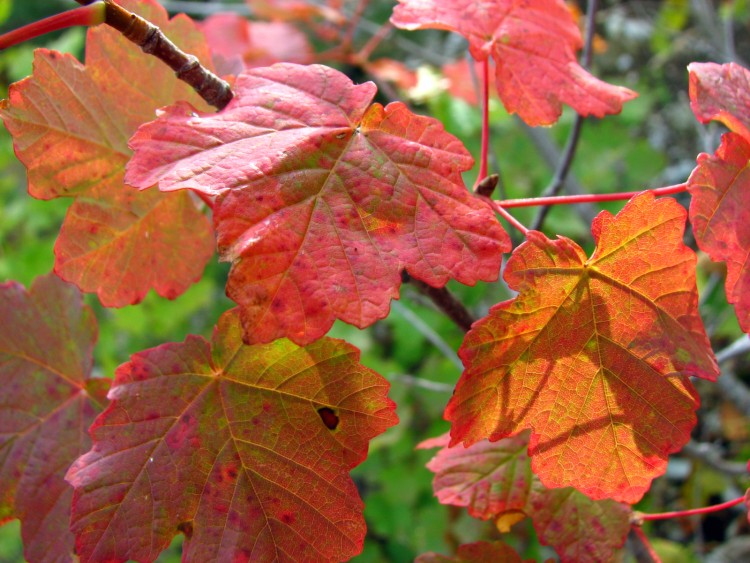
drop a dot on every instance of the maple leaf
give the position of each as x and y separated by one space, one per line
237 43
322 198
721 93
720 187
720 183
244 449
594 355
489 478
578 528
533 45
70 125
48 401
494 480
477 552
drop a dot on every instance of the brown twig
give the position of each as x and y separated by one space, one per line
151 40
445 301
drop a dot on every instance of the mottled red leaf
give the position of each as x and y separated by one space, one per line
721 93
720 183
237 43
323 198
580 530
533 44
594 355
70 125
477 552
719 213
494 479
224 442
48 400
488 478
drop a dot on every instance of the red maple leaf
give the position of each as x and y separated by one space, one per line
47 403
721 93
323 198
70 126
494 479
235 446
594 355
720 183
533 44
237 43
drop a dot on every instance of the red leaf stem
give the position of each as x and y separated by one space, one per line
638 531
691 512
365 52
586 198
498 207
485 119
90 15
205 198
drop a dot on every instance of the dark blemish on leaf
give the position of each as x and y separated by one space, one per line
186 528
329 418
288 518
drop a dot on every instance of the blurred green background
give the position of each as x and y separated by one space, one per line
643 45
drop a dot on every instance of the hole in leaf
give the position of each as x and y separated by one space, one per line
186 528
329 418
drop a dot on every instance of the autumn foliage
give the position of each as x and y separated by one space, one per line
574 392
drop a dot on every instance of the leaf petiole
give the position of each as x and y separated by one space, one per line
90 15
640 517
587 198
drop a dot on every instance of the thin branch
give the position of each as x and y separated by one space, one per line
151 40
353 22
550 153
566 161
712 457
407 45
728 384
445 301
414 381
425 330
587 198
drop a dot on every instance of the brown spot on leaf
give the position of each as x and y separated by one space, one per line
329 418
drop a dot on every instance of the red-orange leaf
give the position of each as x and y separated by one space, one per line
70 126
494 479
720 186
594 355
47 402
224 442
533 44
721 93
720 183
323 198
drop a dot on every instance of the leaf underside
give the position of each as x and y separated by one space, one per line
47 403
720 183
